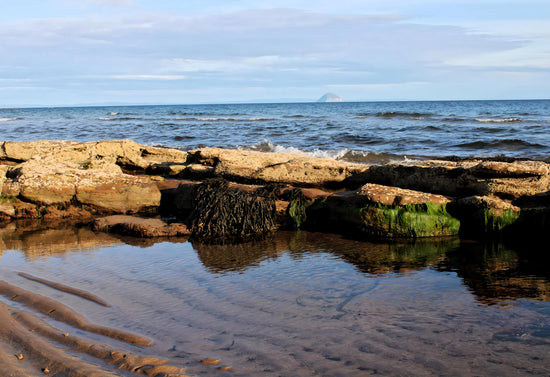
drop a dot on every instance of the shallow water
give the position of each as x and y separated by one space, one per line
306 304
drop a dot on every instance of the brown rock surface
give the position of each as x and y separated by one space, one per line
290 168
122 152
463 178
50 181
140 227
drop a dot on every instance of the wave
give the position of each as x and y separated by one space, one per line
494 130
225 119
403 114
349 155
366 140
182 138
504 144
8 119
453 119
112 119
433 128
498 120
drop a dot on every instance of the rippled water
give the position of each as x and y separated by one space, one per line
308 304
361 131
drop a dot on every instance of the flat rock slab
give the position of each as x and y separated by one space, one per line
287 168
139 227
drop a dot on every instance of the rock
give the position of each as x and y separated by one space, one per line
382 212
482 215
516 169
125 153
23 150
463 178
265 167
11 208
49 181
139 227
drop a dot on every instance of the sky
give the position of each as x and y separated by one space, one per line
73 52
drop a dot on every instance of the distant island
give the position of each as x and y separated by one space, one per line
330 97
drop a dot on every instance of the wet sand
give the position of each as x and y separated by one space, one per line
300 304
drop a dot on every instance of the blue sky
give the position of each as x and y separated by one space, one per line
63 52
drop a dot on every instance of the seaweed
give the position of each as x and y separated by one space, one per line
222 215
297 207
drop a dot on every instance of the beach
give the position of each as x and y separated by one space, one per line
325 290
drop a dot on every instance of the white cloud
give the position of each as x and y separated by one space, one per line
277 48
147 77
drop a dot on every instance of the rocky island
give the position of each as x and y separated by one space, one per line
218 195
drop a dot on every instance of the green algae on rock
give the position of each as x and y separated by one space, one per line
409 221
383 212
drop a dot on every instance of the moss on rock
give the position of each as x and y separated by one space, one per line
491 220
409 221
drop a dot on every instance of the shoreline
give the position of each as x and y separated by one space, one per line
412 199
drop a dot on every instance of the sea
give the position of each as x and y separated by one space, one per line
301 303
352 131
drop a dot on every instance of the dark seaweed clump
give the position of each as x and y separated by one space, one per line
222 215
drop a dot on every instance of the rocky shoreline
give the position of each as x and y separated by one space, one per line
217 195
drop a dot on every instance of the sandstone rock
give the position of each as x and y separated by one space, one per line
140 227
463 178
120 195
518 169
383 212
126 153
16 209
290 168
52 182
24 150
485 214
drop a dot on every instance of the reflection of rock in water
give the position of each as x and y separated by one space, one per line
368 257
36 239
220 258
496 273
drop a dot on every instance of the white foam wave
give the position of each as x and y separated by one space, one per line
113 113
7 119
349 155
498 120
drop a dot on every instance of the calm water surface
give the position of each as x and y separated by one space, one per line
307 304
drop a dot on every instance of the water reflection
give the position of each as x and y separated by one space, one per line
372 258
37 239
497 273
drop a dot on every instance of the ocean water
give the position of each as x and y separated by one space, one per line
360 131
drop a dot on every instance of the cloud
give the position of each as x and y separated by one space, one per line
274 49
147 77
